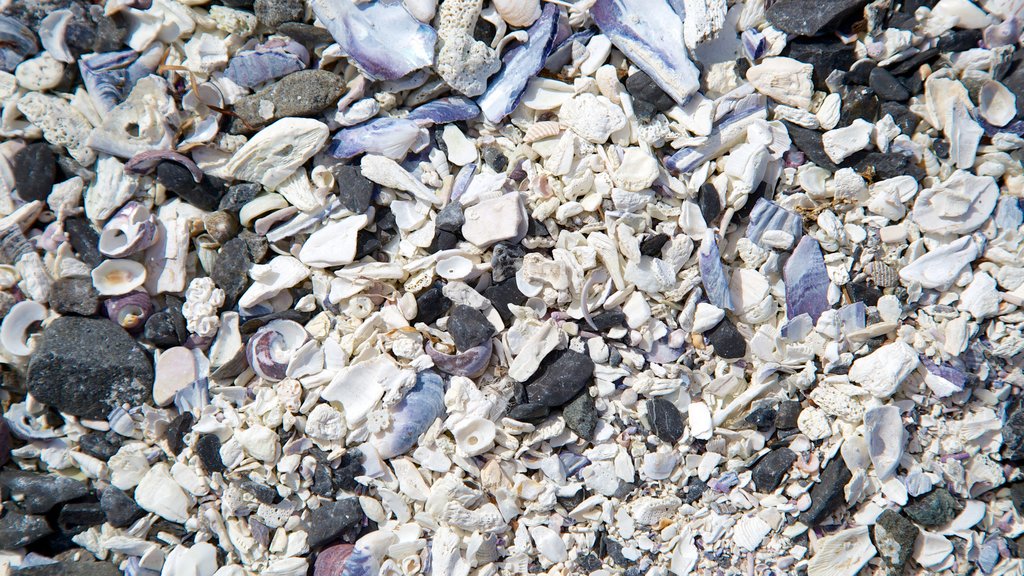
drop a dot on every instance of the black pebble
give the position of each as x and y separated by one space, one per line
85 240
789 411
443 240
366 244
432 304
887 86
208 449
905 119
561 376
860 72
710 202
588 563
505 261
230 269
39 493
727 340
495 159
350 465
528 412
74 296
886 165
809 142
859 102
828 494
762 418
941 148
862 292
162 330
609 319
811 17
178 179
958 40
469 327
79 515
502 294
101 446
648 97
666 421
326 523
581 415
694 489
451 218
355 190
176 431
769 470
652 245
119 508
35 169
824 55
261 492
18 530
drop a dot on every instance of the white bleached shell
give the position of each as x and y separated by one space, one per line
997 104
109 190
141 123
334 244
132 229
941 266
461 150
813 423
491 221
53 32
454 268
14 330
518 13
885 436
842 554
593 118
361 386
259 442
883 371
158 493
325 423
637 171
783 79
701 424
931 550
279 274
474 436
275 152
541 130
841 143
749 532
958 205
659 465
40 73
116 277
422 10
751 296
649 511
707 317
176 368
546 94
388 173
61 124
549 543
981 297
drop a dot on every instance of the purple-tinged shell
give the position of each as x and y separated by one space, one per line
1006 33
754 44
768 215
130 311
650 34
806 280
17 42
272 346
146 162
948 372
271 60
853 317
411 417
462 181
445 111
724 483
989 553
194 397
562 53
712 273
727 133
384 40
331 561
662 352
390 137
128 232
521 63
106 77
572 462
471 363
24 425
1008 214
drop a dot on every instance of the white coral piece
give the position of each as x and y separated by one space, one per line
202 300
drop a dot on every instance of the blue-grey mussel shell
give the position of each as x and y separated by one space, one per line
17 43
413 414
806 280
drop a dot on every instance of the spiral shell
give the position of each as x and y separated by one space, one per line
14 330
130 311
272 347
131 230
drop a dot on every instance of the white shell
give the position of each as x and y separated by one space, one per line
637 171
334 244
885 435
52 32
176 368
593 118
474 436
158 493
659 465
997 103
842 554
749 532
701 424
783 79
260 442
706 317
883 371
454 268
542 130
931 549
14 330
840 143
422 10
958 205
518 13
360 387
650 511
325 423
279 274
813 423
275 152
491 221
116 277
109 190
549 543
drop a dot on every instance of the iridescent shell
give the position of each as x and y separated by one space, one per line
471 363
411 417
806 280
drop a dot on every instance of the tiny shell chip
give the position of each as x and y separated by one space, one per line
116 277
278 150
883 371
884 433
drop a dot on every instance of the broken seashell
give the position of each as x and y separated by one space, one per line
116 277
749 532
518 13
784 80
471 363
885 436
14 331
271 348
549 543
883 371
474 436
131 230
996 103
939 268
176 369
842 554
411 417
712 273
334 244
806 280
275 152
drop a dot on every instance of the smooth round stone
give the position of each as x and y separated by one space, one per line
763 418
728 342
768 472
35 169
178 179
560 377
451 218
665 419
648 97
468 327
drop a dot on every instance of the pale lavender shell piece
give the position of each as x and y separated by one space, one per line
383 40
948 372
445 111
130 310
768 215
17 42
146 162
722 138
268 61
712 273
332 561
462 181
853 317
471 363
194 397
362 562
520 65
1008 214
411 417
806 281
390 137
562 53
755 44
650 34
106 77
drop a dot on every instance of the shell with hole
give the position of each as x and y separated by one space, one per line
131 230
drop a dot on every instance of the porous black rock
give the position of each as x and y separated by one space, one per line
35 169
648 97
39 493
87 367
887 86
727 340
163 330
18 530
208 448
560 377
666 421
119 508
299 94
469 327
828 494
502 294
581 415
431 304
769 470
811 17
231 269
506 260
74 296
326 523
895 537
936 508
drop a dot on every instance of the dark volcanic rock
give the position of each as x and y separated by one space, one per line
648 97
354 189
581 415
769 470
98 445
652 245
828 494
935 508
789 411
74 296
17 530
894 538
432 304
76 516
178 179
176 430
560 377
41 492
272 13
208 449
451 218
859 102
326 523
710 202
231 269
163 330
727 340
666 421
501 295
119 508
888 165
35 170
506 260
811 17
468 327
825 55
1013 434
887 86
85 240
238 195
87 367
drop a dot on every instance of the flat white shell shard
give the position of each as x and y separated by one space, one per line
997 104
593 118
637 170
116 277
885 436
883 371
706 317
110 190
492 221
981 297
387 172
61 123
931 550
940 267
259 442
360 387
275 152
334 244
279 274
841 143
158 493
701 424
549 543
842 554
964 135
749 532
176 368
14 330
784 80
958 205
